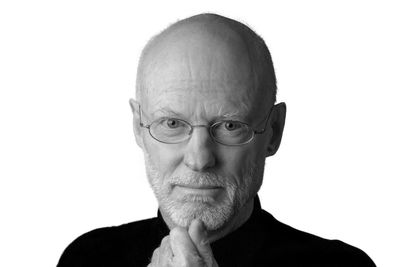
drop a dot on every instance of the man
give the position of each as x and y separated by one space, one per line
205 119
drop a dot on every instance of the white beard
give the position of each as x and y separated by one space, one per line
190 206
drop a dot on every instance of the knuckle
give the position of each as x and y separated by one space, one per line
176 232
164 241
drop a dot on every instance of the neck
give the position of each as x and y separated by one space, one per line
238 220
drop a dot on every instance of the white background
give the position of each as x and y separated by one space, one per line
68 161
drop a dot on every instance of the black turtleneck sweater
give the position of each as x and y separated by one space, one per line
260 241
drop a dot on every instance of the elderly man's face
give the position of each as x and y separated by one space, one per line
202 79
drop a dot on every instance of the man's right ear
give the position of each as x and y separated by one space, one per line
136 122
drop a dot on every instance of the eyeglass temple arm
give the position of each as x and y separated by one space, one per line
140 119
265 125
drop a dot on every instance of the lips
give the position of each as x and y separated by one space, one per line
195 186
196 193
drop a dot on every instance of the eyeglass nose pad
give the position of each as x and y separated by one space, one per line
191 130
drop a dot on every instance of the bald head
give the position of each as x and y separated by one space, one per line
208 48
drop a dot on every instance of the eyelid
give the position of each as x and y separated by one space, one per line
234 121
172 118
210 124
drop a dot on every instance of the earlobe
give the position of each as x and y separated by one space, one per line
276 126
136 122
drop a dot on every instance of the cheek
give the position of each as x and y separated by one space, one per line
166 158
236 161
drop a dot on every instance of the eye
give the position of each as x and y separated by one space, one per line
173 123
231 125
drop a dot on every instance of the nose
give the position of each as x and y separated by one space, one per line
199 154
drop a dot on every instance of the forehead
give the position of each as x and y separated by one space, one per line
199 73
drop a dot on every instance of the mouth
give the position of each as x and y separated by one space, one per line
195 186
195 189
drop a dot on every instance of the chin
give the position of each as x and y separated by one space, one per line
183 211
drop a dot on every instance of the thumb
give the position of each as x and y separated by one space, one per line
198 234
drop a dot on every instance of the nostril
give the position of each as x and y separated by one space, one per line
198 162
199 159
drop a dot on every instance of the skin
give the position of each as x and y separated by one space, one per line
185 247
202 76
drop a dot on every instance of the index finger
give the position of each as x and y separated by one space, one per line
197 232
165 248
182 246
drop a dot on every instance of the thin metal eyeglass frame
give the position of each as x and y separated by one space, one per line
209 127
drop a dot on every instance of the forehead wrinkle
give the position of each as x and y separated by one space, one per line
174 83
209 109
235 92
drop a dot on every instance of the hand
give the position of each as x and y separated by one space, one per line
185 248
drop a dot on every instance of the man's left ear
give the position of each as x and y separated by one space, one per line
275 125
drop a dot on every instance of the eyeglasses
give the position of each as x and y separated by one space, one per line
171 130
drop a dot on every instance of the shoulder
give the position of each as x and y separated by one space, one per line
110 235
103 244
309 248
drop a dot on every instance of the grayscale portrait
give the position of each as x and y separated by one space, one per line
207 119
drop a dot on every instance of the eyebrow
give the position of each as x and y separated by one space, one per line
167 111
234 115
229 115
